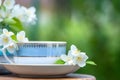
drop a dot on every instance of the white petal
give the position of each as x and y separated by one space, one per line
71 62
73 47
5 31
75 53
67 59
16 10
32 9
69 53
63 57
0 2
85 57
82 64
22 33
30 12
16 7
5 40
23 8
21 37
81 59
23 14
9 4
19 13
83 53
11 33
11 48
26 40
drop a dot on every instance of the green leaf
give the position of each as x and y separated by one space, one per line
59 61
13 24
9 21
91 63
17 26
14 37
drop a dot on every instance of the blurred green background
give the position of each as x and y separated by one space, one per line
92 25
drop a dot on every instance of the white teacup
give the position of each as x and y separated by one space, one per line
39 52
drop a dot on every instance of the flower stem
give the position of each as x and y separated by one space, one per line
6 57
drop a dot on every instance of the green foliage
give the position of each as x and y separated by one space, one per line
91 63
14 37
59 61
15 25
9 21
12 24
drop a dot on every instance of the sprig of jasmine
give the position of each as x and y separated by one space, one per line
8 43
74 57
9 12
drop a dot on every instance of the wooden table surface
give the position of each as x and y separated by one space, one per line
67 77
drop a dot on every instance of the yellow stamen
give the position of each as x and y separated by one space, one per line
79 58
5 39
8 2
11 46
68 59
76 51
7 33
21 37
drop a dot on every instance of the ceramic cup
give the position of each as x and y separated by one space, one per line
39 52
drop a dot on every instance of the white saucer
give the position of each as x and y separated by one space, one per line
40 69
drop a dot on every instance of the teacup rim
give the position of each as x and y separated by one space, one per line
45 42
